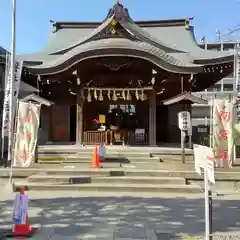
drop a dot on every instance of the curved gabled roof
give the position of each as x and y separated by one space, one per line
116 46
128 25
70 34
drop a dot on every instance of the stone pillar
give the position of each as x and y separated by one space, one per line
79 125
152 118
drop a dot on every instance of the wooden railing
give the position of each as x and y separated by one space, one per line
111 137
95 137
133 138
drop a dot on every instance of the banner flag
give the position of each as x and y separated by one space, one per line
223 138
15 92
25 144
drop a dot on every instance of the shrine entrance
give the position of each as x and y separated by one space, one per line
122 116
116 123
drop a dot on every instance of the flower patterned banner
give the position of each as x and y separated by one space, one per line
223 132
26 134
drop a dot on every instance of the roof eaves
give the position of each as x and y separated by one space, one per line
213 61
116 47
185 96
36 98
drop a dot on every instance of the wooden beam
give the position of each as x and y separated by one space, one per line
152 118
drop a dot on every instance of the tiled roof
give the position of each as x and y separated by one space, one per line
99 47
3 51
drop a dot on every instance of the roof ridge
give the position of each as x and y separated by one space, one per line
119 12
141 23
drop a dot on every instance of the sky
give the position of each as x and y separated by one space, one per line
33 17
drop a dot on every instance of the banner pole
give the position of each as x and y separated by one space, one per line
211 123
206 197
13 60
16 120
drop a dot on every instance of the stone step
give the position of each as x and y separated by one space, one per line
137 165
48 160
59 179
71 163
55 179
147 188
174 158
90 151
131 157
89 156
112 158
121 149
221 174
141 180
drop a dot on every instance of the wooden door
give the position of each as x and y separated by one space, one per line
60 123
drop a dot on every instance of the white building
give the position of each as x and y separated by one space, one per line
222 89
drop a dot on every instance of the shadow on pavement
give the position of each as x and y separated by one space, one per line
101 216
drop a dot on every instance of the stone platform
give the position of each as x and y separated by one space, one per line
77 178
114 154
125 169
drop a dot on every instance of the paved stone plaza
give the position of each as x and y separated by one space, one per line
74 215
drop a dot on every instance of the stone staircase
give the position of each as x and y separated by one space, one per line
153 179
125 169
114 155
106 180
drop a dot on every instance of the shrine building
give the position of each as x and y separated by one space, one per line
121 81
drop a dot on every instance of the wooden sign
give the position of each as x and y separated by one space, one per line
102 118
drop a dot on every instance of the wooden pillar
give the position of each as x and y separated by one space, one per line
79 125
152 118
50 121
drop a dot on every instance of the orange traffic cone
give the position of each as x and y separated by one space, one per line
95 160
22 229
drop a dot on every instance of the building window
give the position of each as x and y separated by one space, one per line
202 129
215 88
228 87
200 112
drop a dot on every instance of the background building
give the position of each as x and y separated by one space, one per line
221 90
